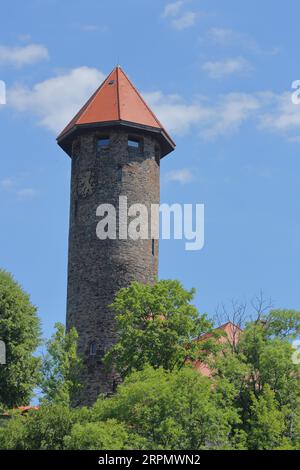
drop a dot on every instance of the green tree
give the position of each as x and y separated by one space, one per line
12 434
266 422
20 331
263 374
109 435
61 367
172 410
283 324
43 429
156 325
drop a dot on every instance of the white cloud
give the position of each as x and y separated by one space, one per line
230 113
172 9
91 28
56 100
282 116
177 115
179 19
223 36
227 37
185 21
25 193
7 183
25 37
11 186
222 117
20 56
182 176
227 113
224 68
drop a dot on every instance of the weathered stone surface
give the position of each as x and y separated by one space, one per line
97 269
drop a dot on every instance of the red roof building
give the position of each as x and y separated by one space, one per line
231 334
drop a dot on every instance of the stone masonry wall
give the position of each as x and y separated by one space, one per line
97 269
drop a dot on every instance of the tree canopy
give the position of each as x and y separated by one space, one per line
266 381
250 401
61 367
20 331
156 325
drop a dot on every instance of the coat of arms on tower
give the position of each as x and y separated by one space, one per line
86 183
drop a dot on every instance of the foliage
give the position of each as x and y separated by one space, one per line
157 325
20 331
41 429
61 367
171 410
108 435
252 400
266 422
283 324
152 409
266 382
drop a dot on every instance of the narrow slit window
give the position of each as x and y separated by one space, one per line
133 143
102 142
119 173
75 208
93 349
153 247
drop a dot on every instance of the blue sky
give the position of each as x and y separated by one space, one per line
218 74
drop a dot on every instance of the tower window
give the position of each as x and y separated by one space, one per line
153 247
119 173
93 349
114 386
75 208
102 142
134 143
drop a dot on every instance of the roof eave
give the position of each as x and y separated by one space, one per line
65 140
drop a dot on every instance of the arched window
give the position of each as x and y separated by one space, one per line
93 349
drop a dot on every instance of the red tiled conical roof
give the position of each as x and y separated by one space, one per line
116 101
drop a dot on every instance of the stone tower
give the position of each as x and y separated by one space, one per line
115 143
